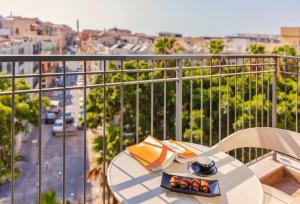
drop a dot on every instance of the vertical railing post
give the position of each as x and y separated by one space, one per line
274 94
179 100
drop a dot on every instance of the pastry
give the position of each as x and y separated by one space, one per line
184 183
195 184
174 181
204 186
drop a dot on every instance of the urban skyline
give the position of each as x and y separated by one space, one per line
194 19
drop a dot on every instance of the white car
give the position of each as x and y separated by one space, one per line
80 81
81 101
58 129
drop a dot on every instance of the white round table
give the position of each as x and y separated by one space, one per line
130 182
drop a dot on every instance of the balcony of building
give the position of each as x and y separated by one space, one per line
111 102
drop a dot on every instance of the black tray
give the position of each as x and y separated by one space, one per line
213 186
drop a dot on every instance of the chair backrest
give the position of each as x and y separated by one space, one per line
279 140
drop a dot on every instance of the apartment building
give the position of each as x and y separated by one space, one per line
20 47
290 35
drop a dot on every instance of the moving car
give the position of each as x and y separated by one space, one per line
58 129
50 118
69 117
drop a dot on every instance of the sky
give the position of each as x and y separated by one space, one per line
189 17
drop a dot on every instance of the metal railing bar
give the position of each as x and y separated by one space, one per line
226 74
151 97
250 96
121 106
13 135
243 107
84 134
268 96
201 103
27 58
210 105
137 106
40 135
256 103
165 105
285 96
64 133
297 88
223 66
228 128
220 95
191 106
104 134
288 73
235 101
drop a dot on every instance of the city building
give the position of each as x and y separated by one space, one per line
290 35
20 47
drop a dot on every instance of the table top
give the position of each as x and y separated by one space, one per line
130 182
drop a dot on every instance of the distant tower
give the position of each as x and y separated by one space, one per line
77 23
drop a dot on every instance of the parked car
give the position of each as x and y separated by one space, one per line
50 118
60 81
79 124
69 117
58 129
80 81
81 101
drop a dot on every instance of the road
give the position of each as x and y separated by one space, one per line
26 187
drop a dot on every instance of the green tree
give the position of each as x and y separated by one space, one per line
285 50
26 112
166 46
49 197
215 46
256 49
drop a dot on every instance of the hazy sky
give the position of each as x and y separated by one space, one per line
190 17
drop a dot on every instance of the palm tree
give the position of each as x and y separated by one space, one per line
112 144
285 50
215 46
256 49
166 46
49 197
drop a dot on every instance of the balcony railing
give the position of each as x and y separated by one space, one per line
195 98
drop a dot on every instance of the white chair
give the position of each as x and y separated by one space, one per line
278 140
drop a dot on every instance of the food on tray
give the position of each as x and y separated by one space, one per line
204 186
184 183
174 181
189 184
195 184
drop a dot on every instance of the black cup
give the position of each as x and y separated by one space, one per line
203 165
206 169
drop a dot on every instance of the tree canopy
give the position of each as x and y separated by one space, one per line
285 50
256 49
26 112
215 46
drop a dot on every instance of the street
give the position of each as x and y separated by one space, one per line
26 187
